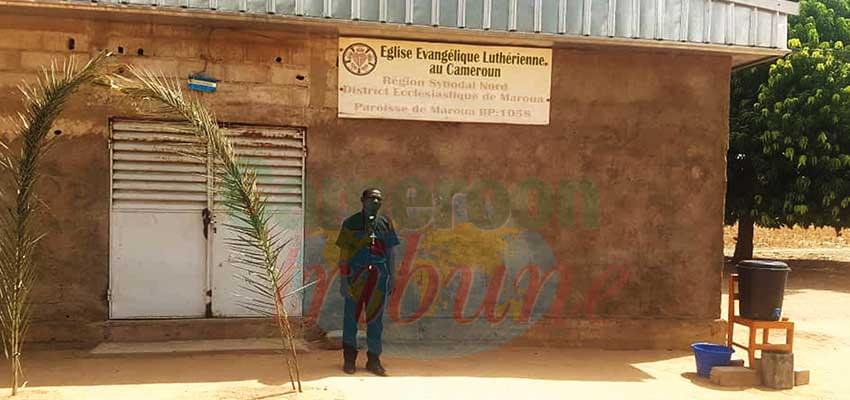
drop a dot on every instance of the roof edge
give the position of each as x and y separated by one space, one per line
782 6
741 54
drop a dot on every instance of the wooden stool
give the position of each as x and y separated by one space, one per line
755 325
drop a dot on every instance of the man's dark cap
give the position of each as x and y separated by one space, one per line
372 192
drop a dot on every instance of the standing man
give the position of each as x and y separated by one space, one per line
366 267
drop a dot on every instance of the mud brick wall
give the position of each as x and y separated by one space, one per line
602 228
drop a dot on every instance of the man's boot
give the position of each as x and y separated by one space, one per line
349 356
373 364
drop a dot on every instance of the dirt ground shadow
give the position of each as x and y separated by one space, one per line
78 368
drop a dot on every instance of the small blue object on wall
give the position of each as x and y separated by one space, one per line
202 83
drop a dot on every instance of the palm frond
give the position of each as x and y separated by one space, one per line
43 102
256 244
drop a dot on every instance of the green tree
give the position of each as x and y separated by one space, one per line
789 145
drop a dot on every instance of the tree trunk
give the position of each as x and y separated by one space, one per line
16 368
744 244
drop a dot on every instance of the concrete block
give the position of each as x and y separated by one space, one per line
330 100
71 25
801 377
175 48
20 39
186 68
281 75
735 376
181 31
15 79
129 45
736 363
265 38
10 60
36 60
160 66
331 56
58 41
75 125
227 51
139 30
216 71
267 54
246 73
299 56
265 94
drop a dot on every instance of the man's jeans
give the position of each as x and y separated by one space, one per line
367 295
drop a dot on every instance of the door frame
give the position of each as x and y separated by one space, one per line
210 200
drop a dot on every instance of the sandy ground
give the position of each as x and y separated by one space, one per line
817 298
796 238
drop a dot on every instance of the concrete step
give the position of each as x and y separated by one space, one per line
152 330
262 345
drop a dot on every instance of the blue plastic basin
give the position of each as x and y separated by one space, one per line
710 355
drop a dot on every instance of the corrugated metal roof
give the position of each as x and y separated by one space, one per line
745 23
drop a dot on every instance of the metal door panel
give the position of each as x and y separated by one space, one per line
277 157
227 286
157 248
158 265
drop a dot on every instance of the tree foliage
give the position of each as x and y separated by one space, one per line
789 143
805 108
820 21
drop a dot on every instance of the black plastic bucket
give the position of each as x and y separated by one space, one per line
761 287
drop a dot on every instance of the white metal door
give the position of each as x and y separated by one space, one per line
157 251
164 263
277 156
